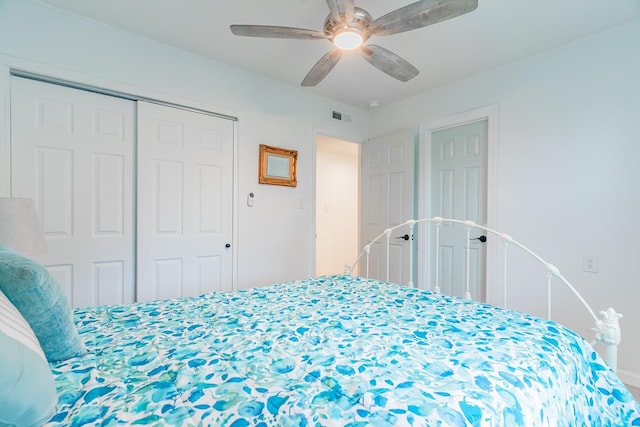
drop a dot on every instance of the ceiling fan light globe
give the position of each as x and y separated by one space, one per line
347 39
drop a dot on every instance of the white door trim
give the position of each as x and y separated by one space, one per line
5 136
489 113
235 236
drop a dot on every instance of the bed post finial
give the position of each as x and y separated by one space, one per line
347 270
608 331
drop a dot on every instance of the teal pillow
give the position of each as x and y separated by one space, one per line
42 302
28 395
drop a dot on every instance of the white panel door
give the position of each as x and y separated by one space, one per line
459 191
184 217
72 152
387 199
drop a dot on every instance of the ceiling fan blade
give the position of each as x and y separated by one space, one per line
389 63
322 68
342 10
420 14
276 32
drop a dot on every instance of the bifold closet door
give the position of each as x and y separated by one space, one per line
72 152
184 193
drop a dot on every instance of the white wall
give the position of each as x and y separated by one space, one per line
568 174
337 201
275 238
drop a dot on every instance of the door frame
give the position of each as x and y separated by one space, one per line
489 113
5 136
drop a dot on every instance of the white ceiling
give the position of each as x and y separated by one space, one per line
497 33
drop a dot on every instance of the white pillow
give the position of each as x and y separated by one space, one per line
28 395
15 326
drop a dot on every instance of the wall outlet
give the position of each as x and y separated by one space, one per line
590 264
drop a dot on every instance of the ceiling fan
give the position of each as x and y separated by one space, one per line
348 27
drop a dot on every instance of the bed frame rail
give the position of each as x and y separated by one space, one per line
607 327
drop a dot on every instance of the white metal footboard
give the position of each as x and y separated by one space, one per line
607 329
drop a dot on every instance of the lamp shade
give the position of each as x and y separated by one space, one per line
20 227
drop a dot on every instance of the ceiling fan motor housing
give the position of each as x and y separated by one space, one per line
360 23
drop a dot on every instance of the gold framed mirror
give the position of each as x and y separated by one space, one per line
277 166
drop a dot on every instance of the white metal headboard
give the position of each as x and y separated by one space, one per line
607 329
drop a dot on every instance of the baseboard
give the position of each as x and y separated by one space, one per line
628 377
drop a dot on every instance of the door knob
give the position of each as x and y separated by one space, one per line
228 245
405 237
481 238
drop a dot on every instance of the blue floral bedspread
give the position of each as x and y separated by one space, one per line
338 351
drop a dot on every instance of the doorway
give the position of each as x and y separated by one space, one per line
337 212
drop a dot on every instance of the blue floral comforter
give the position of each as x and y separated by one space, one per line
342 351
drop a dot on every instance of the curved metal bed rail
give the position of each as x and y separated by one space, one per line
607 329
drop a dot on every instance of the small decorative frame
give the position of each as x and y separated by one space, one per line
277 166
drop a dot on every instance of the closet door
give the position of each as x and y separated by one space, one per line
184 193
72 151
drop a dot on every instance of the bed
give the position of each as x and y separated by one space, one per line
337 350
